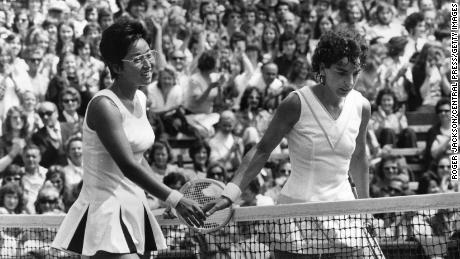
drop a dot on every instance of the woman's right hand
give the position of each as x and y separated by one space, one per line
191 212
215 205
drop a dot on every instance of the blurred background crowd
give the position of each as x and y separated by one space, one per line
221 69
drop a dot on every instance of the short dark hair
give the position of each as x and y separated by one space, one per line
386 91
158 145
441 102
196 146
412 20
117 39
173 178
207 61
237 36
286 36
333 46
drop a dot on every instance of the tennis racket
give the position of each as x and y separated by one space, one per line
373 244
204 191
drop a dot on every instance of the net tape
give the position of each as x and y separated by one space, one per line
405 227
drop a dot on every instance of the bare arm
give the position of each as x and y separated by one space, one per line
105 118
359 168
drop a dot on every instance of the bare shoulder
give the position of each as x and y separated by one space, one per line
101 110
289 109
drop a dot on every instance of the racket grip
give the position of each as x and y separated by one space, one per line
231 191
173 198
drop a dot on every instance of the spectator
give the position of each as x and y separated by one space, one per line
217 171
56 176
393 177
15 134
287 47
161 158
90 68
269 42
203 85
282 173
304 35
253 119
105 18
438 136
300 74
389 124
226 148
431 75
12 174
384 24
28 104
199 153
74 170
324 24
11 199
416 27
396 69
38 74
370 81
69 103
51 136
9 90
165 94
65 38
34 175
49 201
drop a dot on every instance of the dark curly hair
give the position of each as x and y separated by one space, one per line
333 46
117 39
207 61
412 20
244 103
386 91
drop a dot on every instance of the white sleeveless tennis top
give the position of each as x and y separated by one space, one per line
320 149
111 213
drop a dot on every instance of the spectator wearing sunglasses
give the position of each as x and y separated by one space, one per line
48 200
51 136
438 136
393 177
12 174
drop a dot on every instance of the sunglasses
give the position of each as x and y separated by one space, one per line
47 113
390 167
178 58
49 201
13 178
69 100
284 171
444 166
35 60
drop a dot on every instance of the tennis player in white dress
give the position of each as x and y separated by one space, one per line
110 218
326 128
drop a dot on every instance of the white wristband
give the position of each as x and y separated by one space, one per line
174 198
231 191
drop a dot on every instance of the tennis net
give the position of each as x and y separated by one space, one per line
424 226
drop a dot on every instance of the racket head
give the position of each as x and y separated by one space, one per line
204 191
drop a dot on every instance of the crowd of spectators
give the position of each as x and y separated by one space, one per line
221 69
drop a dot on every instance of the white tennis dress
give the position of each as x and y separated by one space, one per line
111 213
320 150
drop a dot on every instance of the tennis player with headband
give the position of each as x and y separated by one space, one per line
325 126
110 218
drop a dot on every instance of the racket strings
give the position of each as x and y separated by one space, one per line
203 193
